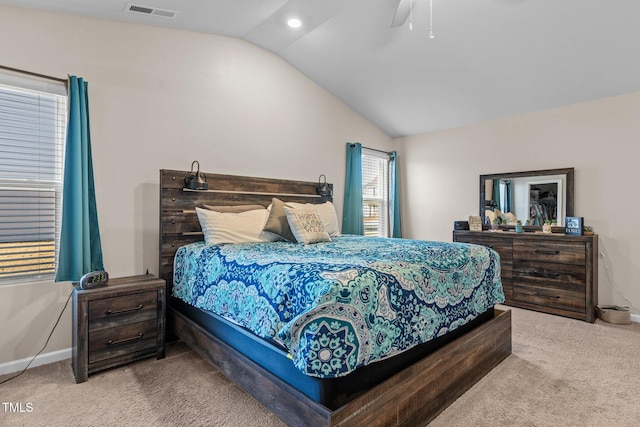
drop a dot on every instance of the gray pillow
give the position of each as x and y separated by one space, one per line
277 222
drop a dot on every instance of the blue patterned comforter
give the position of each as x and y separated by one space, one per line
343 304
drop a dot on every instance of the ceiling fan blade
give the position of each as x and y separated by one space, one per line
402 13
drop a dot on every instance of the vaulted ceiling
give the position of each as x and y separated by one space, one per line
489 58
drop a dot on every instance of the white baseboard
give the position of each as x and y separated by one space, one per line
43 359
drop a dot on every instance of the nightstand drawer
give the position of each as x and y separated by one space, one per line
113 342
115 311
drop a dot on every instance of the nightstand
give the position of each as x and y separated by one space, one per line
119 323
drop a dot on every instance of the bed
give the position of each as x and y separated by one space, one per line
403 382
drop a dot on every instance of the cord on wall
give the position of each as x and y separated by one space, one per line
607 270
45 344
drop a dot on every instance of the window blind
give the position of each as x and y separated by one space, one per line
32 127
375 193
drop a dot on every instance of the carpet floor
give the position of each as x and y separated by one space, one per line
562 372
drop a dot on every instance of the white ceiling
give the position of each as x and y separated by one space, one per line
490 58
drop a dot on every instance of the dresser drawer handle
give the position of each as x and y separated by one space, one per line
137 337
129 310
546 275
541 251
538 294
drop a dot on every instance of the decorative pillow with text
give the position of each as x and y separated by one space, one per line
306 226
327 213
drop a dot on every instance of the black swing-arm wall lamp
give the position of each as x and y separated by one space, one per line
196 180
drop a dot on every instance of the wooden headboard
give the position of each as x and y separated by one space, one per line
178 221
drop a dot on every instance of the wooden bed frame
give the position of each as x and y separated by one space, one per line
414 396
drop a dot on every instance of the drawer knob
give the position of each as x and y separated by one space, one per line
129 310
137 337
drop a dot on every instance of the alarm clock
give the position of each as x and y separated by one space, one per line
95 279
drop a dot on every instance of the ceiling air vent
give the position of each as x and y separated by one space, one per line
151 11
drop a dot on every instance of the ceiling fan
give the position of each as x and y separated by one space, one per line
405 10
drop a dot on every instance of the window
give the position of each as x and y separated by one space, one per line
32 127
375 192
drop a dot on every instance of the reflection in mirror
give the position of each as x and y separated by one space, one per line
536 196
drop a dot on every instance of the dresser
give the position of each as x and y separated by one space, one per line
552 273
119 323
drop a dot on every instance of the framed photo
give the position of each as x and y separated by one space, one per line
475 223
573 225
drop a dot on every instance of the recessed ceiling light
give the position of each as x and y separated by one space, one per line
294 23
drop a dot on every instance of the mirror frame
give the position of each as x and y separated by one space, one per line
569 196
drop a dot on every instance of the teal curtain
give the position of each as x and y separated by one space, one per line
80 249
496 193
352 218
394 196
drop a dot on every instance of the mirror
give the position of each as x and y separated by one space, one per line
533 195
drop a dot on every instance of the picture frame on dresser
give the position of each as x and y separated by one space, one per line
475 223
574 225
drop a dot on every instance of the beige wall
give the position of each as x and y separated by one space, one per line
440 177
162 98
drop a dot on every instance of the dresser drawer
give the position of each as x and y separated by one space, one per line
113 342
110 312
502 246
553 251
547 272
553 297
507 288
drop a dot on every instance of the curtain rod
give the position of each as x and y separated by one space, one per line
29 73
373 149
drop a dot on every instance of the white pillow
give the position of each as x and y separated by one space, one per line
327 213
306 226
227 227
